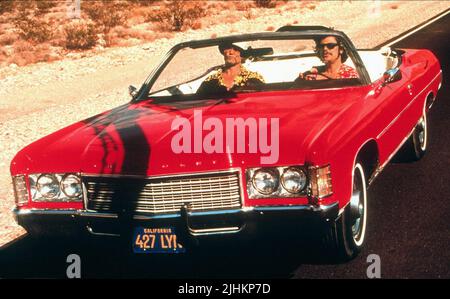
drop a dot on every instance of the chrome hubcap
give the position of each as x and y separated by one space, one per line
422 133
357 213
358 207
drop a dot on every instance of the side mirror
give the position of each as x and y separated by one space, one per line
391 75
132 91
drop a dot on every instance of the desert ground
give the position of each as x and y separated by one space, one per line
39 98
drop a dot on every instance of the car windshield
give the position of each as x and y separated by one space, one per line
272 64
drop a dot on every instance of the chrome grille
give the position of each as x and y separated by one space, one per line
163 195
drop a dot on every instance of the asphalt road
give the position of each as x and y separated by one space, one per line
409 227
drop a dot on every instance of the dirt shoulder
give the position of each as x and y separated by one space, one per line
36 100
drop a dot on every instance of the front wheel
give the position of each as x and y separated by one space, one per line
346 236
420 138
416 145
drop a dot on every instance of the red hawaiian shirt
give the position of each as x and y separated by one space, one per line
347 72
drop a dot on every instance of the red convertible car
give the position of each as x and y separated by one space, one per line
287 146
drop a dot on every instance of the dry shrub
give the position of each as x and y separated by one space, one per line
44 6
243 5
143 2
150 14
265 3
178 15
27 5
8 38
32 28
270 28
80 34
6 6
394 6
106 14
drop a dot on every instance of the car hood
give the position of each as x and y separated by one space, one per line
140 138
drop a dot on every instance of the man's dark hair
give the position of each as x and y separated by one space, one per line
318 50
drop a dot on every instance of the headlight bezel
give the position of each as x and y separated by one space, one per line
280 192
37 196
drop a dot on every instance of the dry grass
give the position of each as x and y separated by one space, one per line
122 36
27 53
108 23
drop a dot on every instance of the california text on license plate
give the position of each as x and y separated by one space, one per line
156 240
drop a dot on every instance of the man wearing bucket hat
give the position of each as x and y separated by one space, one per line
232 74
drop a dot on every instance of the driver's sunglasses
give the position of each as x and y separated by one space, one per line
329 46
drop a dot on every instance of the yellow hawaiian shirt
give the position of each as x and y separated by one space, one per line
241 80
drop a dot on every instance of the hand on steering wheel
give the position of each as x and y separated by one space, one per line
308 75
323 75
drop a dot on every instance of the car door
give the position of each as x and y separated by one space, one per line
392 100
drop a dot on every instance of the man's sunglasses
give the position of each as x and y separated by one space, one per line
329 46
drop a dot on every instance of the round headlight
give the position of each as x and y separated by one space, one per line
71 186
266 181
293 180
48 186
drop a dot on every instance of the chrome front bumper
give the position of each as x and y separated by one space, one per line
193 225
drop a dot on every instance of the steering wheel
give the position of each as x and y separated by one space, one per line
305 74
323 75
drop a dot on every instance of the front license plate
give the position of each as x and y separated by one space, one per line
156 240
